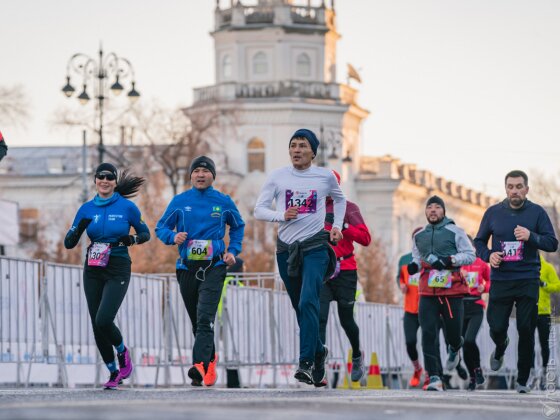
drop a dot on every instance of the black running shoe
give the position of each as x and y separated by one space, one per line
462 372
472 385
479 377
319 372
305 372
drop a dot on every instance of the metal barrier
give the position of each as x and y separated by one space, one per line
45 322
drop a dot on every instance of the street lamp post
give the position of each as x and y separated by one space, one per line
90 70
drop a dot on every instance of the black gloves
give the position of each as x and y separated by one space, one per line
542 284
127 240
82 225
412 268
442 263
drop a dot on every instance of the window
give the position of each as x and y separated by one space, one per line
226 67
303 65
255 155
260 63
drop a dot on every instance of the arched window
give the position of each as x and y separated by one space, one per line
260 63
226 67
303 65
255 155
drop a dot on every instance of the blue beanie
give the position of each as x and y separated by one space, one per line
309 136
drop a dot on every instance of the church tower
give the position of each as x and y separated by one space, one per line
275 66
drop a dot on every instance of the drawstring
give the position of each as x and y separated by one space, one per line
449 307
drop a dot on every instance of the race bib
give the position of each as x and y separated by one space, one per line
306 200
472 279
440 279
98 254
414 279
199 250
513 250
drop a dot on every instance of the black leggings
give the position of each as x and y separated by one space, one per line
342 289
411 325
201 299
474 314
105 289
543 327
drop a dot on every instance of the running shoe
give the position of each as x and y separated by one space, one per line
114 380
522 389
304 373
462 372
453 359
358 368
211 375
542 382
196 373
435 384
426 382
472 385
497 362
479 377
319 372
416 376
125 363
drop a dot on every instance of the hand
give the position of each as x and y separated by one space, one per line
291 213
496 259
442 263
336 235
84 223
180 238
542 284
480 288
127 240
412 268
404 288
229 258
521 233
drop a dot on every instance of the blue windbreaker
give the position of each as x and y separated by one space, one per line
203 214
110 220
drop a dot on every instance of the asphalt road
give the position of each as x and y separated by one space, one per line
255 404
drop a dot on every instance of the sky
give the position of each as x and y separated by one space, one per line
467 89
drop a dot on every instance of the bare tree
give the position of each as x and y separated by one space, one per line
374 272
14 105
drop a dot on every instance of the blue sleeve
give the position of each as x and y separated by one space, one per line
236 228
544 238
142 230
481 240
166 225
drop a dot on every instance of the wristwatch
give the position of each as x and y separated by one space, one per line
453 260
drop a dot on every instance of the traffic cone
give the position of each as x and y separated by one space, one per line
354 385
374 380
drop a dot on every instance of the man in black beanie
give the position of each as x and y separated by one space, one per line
439 250
195 221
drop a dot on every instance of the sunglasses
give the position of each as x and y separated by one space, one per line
108 177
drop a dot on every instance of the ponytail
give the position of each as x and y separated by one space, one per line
128 185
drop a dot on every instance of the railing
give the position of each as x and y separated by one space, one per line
45 330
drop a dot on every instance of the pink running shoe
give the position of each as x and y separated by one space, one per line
125 363
114 379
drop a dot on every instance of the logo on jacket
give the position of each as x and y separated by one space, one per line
96 218
216 211
188 208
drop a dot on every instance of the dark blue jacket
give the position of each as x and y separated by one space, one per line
203 214
499 221
110 220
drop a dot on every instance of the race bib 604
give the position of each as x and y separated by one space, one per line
199 250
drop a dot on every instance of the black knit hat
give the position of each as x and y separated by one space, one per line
106 167
203 162
309 136
434 199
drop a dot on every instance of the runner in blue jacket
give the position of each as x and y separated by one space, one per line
196 220
107 219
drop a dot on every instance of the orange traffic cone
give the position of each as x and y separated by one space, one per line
354 385
374 380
